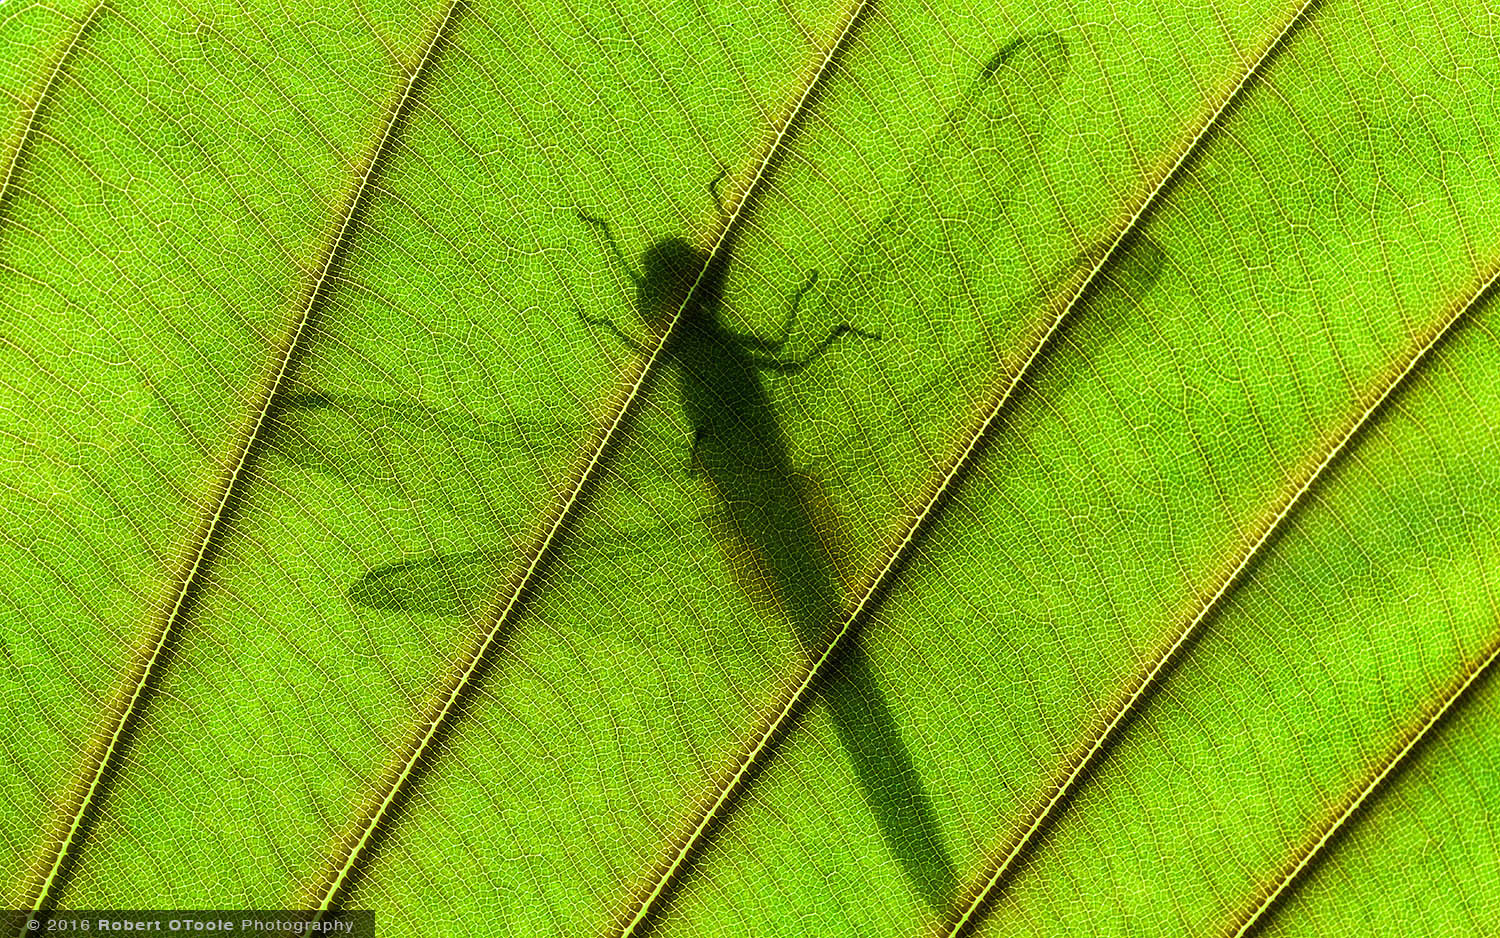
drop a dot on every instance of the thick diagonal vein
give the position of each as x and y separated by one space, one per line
1225 584
107 749
1314 847
49 86
762 746
502 613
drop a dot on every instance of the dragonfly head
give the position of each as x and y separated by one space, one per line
670 268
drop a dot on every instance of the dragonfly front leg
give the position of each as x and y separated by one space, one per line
635 278
693 463
791 366
609 239
774 346
609 324
713 190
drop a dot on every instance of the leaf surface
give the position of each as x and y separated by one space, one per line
759 469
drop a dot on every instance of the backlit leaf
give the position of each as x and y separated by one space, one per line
758 469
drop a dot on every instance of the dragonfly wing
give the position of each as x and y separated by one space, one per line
957 192
464 584
386 443
415 450
457 585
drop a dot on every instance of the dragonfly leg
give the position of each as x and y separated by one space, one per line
713 190
791 366
609 239
774 346
609 324
693 463
635 278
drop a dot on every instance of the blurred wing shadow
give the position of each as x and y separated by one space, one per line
459 585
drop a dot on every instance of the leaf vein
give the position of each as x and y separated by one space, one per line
28 124
104 755
1316 845
513 598
1160 666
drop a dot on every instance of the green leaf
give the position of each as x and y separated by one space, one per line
885 469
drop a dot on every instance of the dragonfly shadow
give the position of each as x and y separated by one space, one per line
787 541
779 537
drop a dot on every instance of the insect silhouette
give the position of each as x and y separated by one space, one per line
783 536
775 514
718 369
